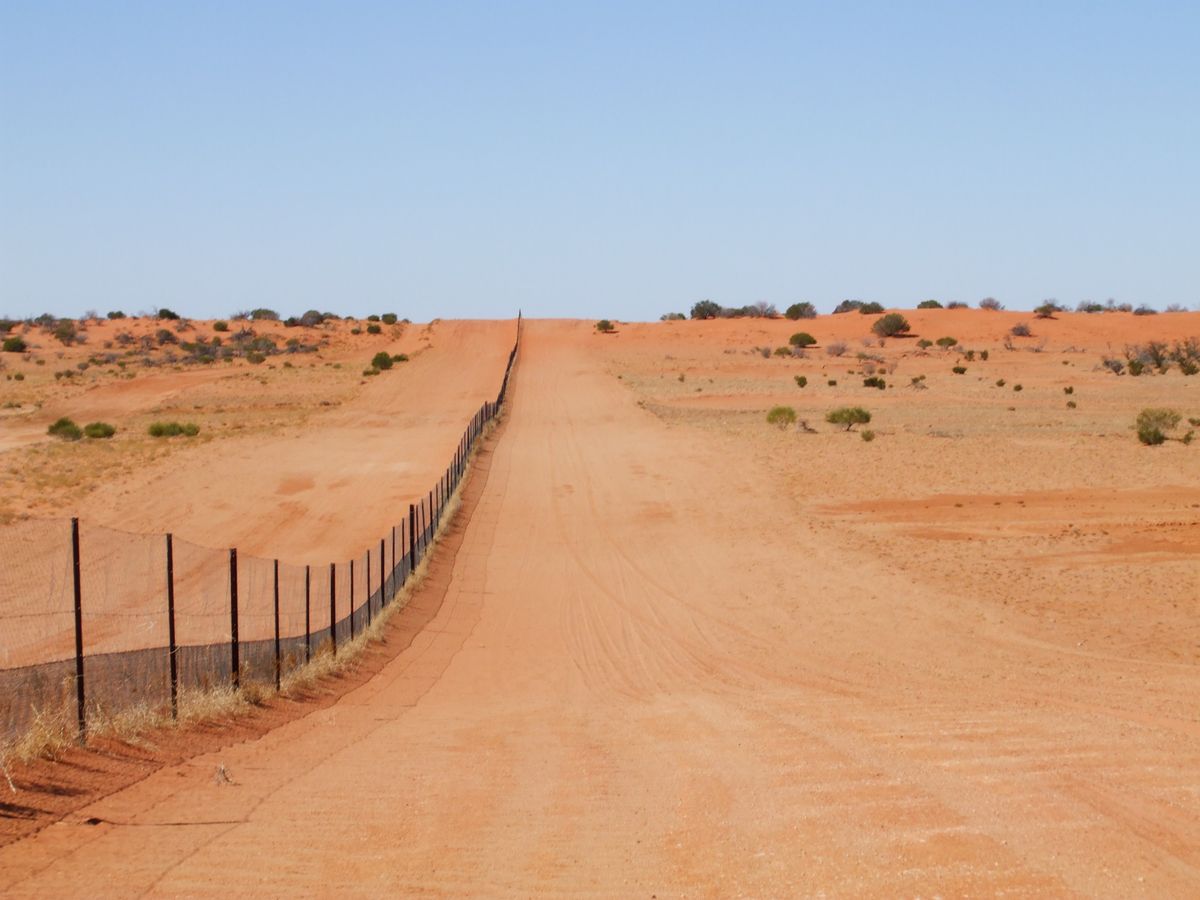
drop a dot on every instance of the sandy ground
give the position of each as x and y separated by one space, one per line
683 653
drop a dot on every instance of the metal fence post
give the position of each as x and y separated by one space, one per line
382 576
367 569
278 654
333 607
351 600
80 697
235 666
307 614
172 649
412 539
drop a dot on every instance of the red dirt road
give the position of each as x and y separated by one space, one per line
652 675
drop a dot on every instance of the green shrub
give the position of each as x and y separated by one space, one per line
400 357
832 382
388 318
1071 404
382 360
1018 388
868 435
890 325
1068 390
374 329
781 417
165 313
802 339
65 429
99 430
924 343
19 376
65 331
174 429
970 355
14 344
801 310
801 381
116 314
1021 329
1000 382
604 326
373 318
371 371
262 313
848 416
1047 310
929 304
871 309
783 351
255 358
874 382
220 325
946 342
1153 423
959 370
983 354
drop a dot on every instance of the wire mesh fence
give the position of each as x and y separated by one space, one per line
95 621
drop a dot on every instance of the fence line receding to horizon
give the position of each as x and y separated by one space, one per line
93 619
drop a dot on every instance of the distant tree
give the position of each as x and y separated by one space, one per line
847 306
848 416
891 325
1047 310
604 326
706 309
165 313
871 309
116 314
801 310
929 304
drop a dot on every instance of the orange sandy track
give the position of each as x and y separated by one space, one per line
662 668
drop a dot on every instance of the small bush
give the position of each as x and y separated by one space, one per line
19 376
356 331
1000 382
1153 423
14 344
924 343
1021 329
959 370
970 355
382 360
99 430
837 348
781 417
832 382
868 435
929 304
220 325
1136 367
165 313
801 310
672 317
848 416
371 371
957 304
783 351
983 354
946 342
1145 311
374 329
604 326
173 429
400 357
373 318
264 314
255 358
388 318
1071 404
874 382
1018 388
65 429
891 325
801 381
802 339
116 314
871 309
991 303
1047 310
1068 390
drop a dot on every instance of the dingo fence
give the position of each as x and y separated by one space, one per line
94 620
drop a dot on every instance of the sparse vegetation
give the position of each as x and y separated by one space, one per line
1018 388
167 314
836 348
959 370
874 381
802 339
848 416
1047 310
991 303
173 429
99 430
868 435
871 309
1021 329
14 344
374 328
891 325
1153 424
382 360
672 317
65 429
781 417
801 381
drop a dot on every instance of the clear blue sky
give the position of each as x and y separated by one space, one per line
588 159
